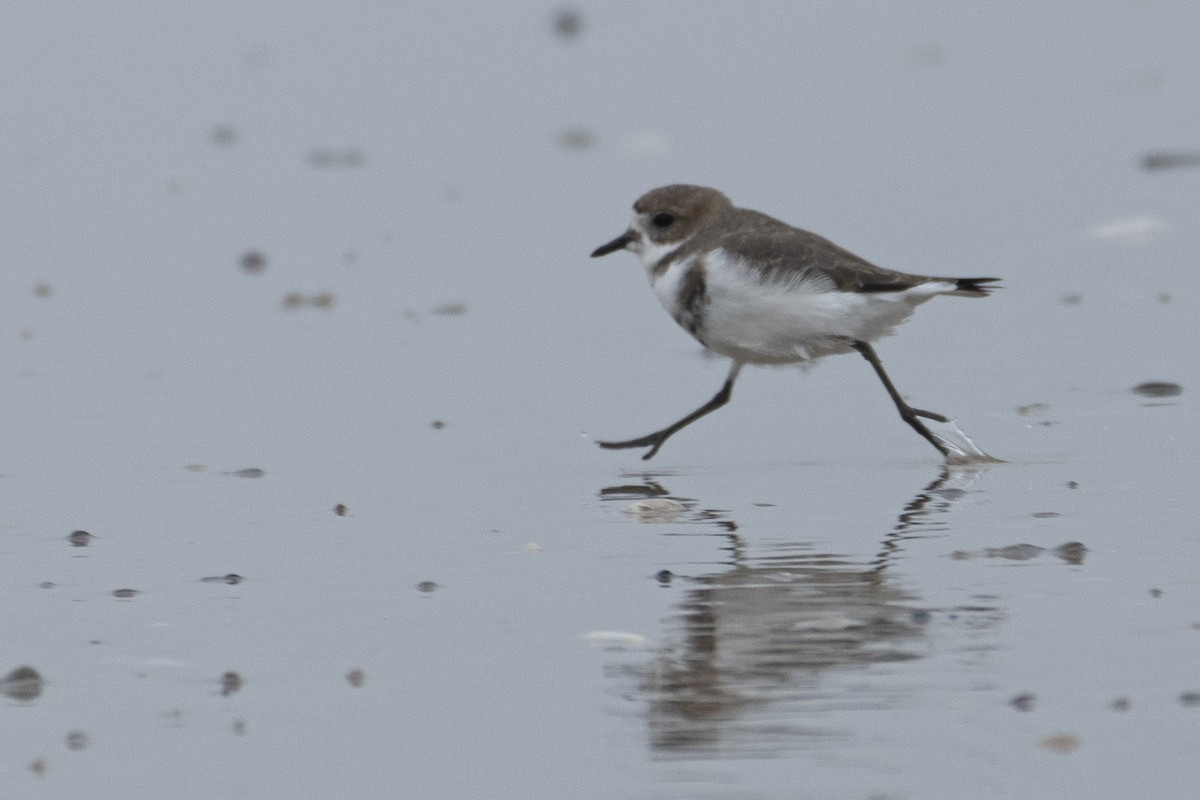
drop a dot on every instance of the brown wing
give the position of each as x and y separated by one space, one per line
789 253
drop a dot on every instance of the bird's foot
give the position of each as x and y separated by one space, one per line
654 441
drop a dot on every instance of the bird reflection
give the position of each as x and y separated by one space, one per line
743 665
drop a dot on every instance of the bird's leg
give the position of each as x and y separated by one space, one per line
656 440
907 413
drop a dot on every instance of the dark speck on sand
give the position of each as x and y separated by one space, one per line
1158 389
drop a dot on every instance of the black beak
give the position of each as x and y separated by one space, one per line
616 244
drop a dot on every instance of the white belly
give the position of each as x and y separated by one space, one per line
782 322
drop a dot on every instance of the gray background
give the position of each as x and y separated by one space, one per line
845 620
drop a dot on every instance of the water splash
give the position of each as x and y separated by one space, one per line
962 449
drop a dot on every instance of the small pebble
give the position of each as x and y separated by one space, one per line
22 683
576 139
233 579
450 309
80 538
77 740
253 262
231 682
1190 699
1031 409
321 300
1071 552
1120 704
249 472
1022 702
567 23
356 678
664 576
1063 743
124 594
223 135
1158 389
341 510
427 587
1014 552
1168 160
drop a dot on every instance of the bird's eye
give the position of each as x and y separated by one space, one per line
663 220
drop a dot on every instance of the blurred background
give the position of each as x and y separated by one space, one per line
300 294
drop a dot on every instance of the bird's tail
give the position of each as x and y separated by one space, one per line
973 287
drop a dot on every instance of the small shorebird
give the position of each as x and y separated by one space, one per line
759 291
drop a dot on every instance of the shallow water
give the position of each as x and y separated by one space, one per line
301 328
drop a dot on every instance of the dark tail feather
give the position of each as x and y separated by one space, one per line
974 287
963 287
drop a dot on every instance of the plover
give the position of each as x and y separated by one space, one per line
759 291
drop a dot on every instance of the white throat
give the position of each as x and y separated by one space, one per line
649 251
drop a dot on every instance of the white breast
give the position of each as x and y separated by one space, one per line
666 284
